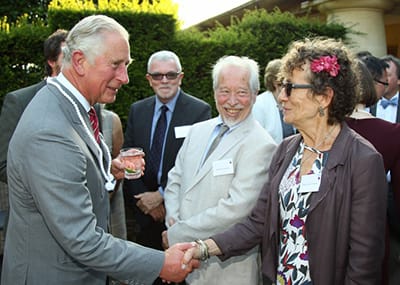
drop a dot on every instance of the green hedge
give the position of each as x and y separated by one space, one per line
260 35
21 60
148 33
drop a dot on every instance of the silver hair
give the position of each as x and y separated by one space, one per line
164 55
240 61
87 36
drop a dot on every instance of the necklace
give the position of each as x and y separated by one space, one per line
110 181
312 149
315 148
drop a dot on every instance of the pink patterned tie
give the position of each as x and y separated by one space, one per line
94 121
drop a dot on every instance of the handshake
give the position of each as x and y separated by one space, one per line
183 258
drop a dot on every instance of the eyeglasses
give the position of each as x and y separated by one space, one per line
381 82
289 86
168 75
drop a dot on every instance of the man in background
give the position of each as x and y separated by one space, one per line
13 106
158 124
388 109
15 102
266 110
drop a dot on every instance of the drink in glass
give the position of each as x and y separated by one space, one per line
132 159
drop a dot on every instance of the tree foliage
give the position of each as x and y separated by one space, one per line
13 9
260 35
147 6
32 10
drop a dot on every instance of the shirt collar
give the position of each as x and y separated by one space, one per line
231 128
78 95
171 103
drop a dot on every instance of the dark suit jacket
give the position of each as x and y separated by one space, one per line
14 105
346 218
188 110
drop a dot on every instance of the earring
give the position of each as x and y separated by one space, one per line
321 111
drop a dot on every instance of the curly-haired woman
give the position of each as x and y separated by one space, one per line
321 216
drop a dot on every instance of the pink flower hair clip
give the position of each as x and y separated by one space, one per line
326 63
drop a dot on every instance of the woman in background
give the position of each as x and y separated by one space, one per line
384 135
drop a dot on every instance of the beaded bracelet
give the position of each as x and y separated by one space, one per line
204 255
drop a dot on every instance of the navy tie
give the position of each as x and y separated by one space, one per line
385 102
158 140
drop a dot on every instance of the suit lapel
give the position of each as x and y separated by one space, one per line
282 164
181 116
178 116
336 157
372 110
72 115
221 152
148 121
201 170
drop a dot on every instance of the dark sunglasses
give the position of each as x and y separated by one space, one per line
169 75
289 86
381 82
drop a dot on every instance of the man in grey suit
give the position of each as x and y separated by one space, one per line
213 186
144 197
16 101
59 175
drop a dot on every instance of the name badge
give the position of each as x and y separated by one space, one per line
223 167
181 131
310 183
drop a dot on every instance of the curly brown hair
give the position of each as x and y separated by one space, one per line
345 84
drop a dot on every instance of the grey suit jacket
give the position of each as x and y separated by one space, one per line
59 206
204 202
14 105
